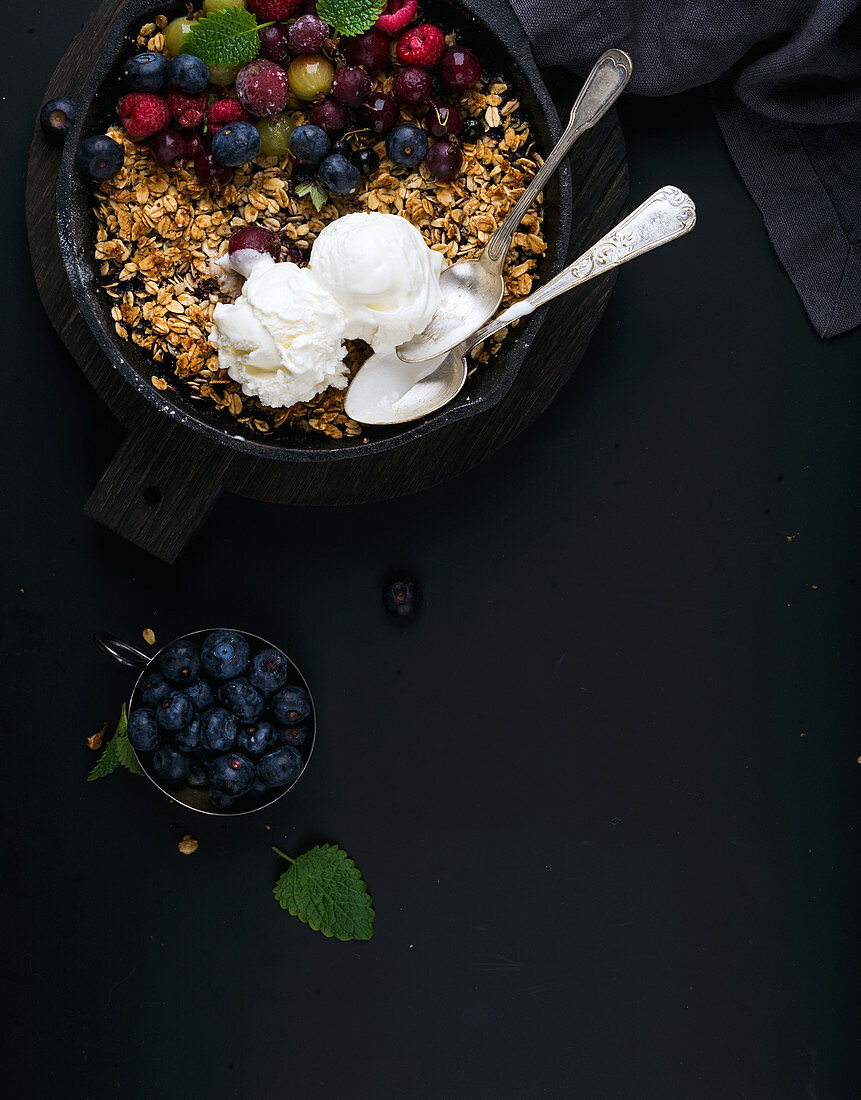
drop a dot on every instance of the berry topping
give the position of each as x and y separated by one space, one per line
232 774
397 14
281 767
308 34
351 86
254 238
266 10
275 134
187 110
56 117
274 42
412 86
223 111
193 146
176 33
262 88
422 46
187 74
208 172
234 144
329 116
366 160
146 72
406 145
310 75
473 128
370 50
402 598
143 114
168 147
443 120
459 68
309 144
339 175
379 114
444 160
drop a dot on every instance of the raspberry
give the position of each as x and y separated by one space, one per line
224 111
262 88
143 114
397 14
267 10
421 46
188 110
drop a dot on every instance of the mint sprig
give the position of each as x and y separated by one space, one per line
315 191
118 752
350 16
325 890
224 38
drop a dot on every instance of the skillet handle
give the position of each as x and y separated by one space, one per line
160 487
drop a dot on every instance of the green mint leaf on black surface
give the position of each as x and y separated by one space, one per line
118 752
224 37
325 890
350 16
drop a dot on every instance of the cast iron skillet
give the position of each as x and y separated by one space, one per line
492 28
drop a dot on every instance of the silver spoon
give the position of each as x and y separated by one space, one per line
472 289
382 393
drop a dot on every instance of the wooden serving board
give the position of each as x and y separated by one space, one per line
165 478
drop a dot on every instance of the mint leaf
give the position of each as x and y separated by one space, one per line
118 751
350 16
224 37
324 889
316 191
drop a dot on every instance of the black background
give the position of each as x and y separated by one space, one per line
603 792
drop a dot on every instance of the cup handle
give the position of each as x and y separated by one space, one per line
121 651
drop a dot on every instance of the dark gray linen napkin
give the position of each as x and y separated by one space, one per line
785 79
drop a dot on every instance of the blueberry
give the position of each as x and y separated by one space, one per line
257 738
339 175
56 118
258 787
180 661
198 775
99 157
269 670
232 774
220 800
279 768
473 128
236 143
188 74
153 688
143 730
309 143
297 736
218 729
170 765
290 705
200 693
224 653
242 698
188 740
175 711
406 145
402 598
366 160
146 72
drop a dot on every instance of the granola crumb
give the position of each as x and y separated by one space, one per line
95 742
188 845
149 636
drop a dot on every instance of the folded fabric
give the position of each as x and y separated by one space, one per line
786 89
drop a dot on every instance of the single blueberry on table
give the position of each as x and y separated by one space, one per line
175 711
232 774
224 653
280 767
297 736
56 118
402 598
242 698
218 729
269 670
198 775
189 739
180 662
153 688
170 765
146 72
188 74
257 738
290 705
143 729
200 693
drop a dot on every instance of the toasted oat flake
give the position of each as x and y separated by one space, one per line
188 845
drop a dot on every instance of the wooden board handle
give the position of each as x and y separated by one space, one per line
160 487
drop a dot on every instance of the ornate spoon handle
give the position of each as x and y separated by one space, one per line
602 88
667 214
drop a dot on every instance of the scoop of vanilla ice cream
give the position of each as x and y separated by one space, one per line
282 337
382 273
